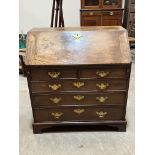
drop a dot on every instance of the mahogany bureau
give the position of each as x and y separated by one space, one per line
78 77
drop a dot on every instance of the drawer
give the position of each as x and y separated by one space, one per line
42 74
79 114
112 14
79 99
103 73
91 13
78 85
104 14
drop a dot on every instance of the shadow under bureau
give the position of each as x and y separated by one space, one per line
78 77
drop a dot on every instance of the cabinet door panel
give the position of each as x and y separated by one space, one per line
111 3
101 18
111 22
111 18
88 4
91 20
91 3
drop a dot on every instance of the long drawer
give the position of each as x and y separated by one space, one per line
79 99
47 73
78 114
78 85
105 14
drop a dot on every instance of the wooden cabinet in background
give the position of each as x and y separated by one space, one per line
91 18
101 12
101 18
112 18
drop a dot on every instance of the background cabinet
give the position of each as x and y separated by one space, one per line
101 18
88 20
112 18
101 12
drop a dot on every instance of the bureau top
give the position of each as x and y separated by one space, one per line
76 46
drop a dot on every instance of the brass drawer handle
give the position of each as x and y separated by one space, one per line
107 2
79 111
78 97
78 84
102 73
56 114
101 114
101 99
91 13
54 75
102 86
55 100
111 13
55 86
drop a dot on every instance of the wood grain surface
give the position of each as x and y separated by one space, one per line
93 45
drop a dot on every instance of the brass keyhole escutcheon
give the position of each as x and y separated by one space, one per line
101 114
102 73
77 36
101 99
79 111
54 75
79 97
57 115
102 86
78 84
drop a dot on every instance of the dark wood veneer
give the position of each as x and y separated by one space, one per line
89 112
111 98
68 114
101 18
67 85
